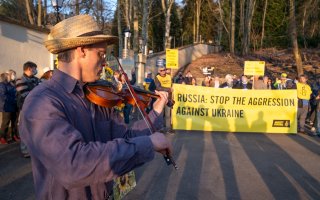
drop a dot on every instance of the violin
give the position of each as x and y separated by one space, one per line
105 94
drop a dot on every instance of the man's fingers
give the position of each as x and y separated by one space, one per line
162 94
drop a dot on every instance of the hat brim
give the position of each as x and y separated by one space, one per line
62 44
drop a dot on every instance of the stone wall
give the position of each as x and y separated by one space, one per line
186 55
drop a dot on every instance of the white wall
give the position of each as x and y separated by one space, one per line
19 45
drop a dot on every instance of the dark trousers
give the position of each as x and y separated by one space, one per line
302 114
126 112
7 118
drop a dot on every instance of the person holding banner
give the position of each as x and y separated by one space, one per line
229 82
243 84
163 82
262 83
284 83
304 93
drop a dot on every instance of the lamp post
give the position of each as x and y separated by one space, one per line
57 4
127 35
141 47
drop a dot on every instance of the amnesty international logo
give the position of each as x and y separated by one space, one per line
281 123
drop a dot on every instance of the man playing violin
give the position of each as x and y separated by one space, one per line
77 147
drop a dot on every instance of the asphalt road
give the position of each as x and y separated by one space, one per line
211 166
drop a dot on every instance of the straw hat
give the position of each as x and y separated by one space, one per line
76 31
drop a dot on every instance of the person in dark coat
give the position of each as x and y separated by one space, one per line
243 84
8 109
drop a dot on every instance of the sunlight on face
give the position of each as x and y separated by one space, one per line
94 61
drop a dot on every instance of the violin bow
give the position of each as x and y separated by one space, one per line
167 157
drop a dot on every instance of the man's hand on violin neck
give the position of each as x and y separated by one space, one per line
161 102
161 143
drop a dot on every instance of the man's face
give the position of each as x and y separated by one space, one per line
31 71
303 79
244 79
162 71
93 62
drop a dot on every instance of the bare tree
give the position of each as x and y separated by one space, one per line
305 14
249 11
241 25
232 25
77 7
29 12
263 22
198 4
119 28
145 16
194 27
293 34
166 8
127 13
135 27
39 12
221 24
45 12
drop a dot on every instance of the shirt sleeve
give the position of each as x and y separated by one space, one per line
60 147
139 128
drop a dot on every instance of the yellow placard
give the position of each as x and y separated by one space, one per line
234 110
254 68
172 58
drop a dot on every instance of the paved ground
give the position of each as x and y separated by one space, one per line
212 166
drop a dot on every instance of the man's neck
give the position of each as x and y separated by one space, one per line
72 69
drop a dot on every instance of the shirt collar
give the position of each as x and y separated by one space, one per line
65 80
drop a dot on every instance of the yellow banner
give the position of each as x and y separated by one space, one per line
254 68
172 58
234 110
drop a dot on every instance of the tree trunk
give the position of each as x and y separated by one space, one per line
249 11
194 27
45 12
232 25
77 8
144 31
263 22
166 7
119 28
305 13
135 27
198 12
126 13
293 34
221 13
29 12
39 12
241 26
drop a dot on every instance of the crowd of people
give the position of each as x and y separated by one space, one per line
13 91
308 91
77 148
